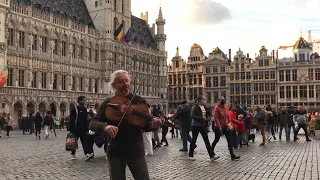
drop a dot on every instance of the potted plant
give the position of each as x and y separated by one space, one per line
317 124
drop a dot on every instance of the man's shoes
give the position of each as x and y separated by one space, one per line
234 157
308 140
89 156
183 150
214 158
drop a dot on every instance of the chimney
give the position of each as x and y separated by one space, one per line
277 54
248 55
273 55
230 55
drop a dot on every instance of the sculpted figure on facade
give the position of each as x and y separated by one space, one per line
52 45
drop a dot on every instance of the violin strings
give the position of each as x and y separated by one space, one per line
126 110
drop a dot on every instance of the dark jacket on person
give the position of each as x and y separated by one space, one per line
284 118
128 142
48 120
37 121
260 116
80 126
184 116
197 116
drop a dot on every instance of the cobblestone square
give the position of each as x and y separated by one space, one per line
24 157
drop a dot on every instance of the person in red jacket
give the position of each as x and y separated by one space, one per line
241 130
235 122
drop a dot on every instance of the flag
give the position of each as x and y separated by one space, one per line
3 76
119 33
128 36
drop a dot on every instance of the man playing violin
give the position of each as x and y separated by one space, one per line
126 146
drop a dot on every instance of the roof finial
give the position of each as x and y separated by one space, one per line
160 17
177 52
301 31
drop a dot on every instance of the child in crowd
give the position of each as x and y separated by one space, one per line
241 130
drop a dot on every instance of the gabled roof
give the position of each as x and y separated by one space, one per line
141 33
218 52
72 9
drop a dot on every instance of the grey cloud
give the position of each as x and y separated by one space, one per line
205 12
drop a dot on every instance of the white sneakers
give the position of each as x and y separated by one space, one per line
73 156
89 156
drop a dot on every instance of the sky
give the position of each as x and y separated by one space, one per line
233 24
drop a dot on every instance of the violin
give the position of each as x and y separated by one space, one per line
137 114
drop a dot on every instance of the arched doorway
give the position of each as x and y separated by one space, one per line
96 106
42 109
63 110
17 113
5 107
53 109
30 108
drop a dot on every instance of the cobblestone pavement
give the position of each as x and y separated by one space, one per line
23 157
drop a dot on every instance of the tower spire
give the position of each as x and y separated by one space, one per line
160 17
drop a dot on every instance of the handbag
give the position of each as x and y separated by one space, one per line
229 126
71 142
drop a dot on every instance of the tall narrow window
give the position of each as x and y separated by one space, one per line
44 80
21 39
90 85
35 42
81 84
55 82
44 44
96 55
34 80
81 51
115 5
90 53
73 83
10 77
96 85
63 82
73 46
21 78
11 37
63 48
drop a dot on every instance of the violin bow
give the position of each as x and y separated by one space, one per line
126 110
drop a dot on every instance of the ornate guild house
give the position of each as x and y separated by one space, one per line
58 50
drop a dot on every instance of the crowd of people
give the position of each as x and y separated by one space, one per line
128 141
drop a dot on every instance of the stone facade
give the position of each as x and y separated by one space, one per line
53 59
264 80
299 78
215 75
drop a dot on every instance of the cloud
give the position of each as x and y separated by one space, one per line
204 12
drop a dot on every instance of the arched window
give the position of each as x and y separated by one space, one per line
242 66
237 66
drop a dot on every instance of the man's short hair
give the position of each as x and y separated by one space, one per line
183 102
81 98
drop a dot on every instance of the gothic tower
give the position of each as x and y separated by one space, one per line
161 38
4 9
107 15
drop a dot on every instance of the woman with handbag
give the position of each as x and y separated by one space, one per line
199 125
224 125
